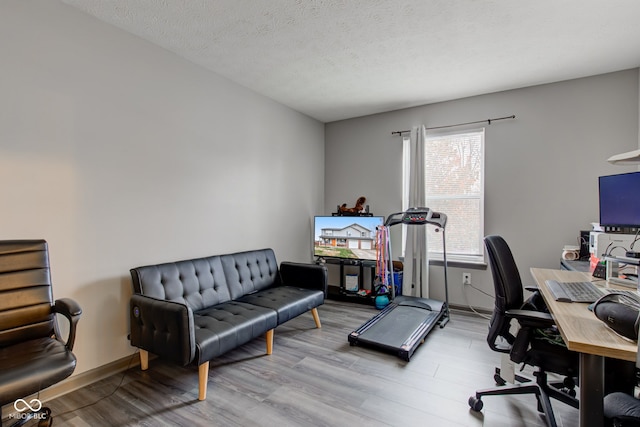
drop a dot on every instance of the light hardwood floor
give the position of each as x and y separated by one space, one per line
315 378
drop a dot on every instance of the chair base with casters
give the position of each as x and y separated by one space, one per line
541 388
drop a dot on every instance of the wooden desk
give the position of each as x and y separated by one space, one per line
585 334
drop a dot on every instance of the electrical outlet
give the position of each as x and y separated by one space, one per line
466 278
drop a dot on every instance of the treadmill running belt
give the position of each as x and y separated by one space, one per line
390 332
399 328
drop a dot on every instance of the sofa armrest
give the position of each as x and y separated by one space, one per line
310 276
72 311
163 328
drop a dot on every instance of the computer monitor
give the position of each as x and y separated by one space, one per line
619 200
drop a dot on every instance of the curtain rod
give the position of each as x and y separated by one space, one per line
488 121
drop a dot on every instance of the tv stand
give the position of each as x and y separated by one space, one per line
348 251
340 292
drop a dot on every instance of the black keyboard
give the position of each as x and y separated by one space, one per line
574 291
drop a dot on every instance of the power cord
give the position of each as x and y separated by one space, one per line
124 373
608 251
464 293
631 253
636 238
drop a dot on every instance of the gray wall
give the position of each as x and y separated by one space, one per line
120 154
541 168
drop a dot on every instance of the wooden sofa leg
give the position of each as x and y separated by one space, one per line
203 377
144 359
316 318
269 339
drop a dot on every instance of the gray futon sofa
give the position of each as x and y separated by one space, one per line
191 311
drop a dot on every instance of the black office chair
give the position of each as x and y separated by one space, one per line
537 343
33 355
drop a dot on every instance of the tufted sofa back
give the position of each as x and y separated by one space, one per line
204 282
251 271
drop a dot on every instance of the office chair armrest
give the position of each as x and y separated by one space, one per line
529 321
72 311
535 302
530 318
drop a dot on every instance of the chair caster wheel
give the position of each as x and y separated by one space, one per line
569 382
47 421
475 403
499 380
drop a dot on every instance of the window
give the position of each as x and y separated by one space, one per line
454 165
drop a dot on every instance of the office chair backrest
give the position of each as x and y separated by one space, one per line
26 298
507 287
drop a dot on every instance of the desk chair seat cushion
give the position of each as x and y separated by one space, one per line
623 408
549 352
33 365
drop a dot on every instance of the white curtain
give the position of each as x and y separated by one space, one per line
416 263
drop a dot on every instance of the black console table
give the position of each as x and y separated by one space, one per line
340 292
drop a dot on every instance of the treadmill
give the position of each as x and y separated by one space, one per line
403 324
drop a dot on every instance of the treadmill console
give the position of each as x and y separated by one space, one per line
416 216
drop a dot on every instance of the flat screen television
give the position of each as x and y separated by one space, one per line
351 237
619 198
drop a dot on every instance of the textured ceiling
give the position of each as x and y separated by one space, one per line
336 59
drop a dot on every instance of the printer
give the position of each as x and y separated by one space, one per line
613 244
